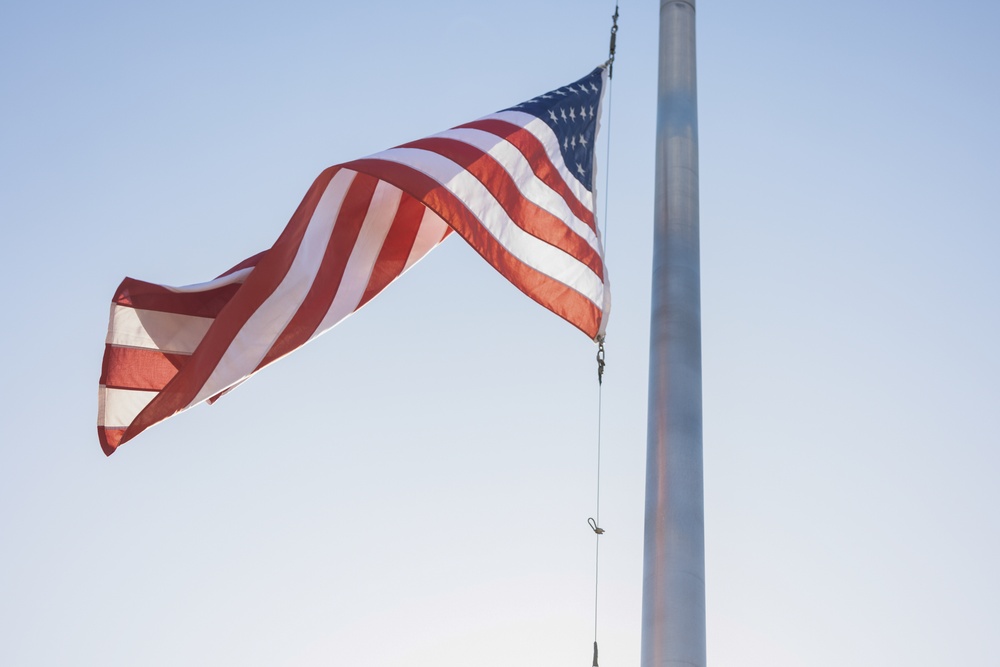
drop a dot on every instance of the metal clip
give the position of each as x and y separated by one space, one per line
600 361
611 46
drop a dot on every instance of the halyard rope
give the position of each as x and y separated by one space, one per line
595 522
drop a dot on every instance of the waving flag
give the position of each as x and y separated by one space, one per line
517 185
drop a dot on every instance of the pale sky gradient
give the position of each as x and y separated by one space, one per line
413 488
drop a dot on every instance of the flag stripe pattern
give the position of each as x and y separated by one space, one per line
517 185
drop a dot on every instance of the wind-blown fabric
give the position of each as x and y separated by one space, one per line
517 185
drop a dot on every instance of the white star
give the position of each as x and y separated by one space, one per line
579 168
559 92
566 144
591 112
595 88
583 141
572 142
583 112
552 115
572 115
546 97
562 112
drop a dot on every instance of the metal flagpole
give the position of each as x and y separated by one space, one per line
673 591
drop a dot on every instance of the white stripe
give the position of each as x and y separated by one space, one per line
531 187
264 326
152 329
116 408
549 140
234 277
430 234
358 271
539 255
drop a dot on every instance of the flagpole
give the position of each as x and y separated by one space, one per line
673 591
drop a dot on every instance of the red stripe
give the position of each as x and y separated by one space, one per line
526 214
261 283
396 248
147 296
534 152
110 438
327 281
138 368
245 264
566 302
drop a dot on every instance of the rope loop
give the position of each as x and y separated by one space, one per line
593 525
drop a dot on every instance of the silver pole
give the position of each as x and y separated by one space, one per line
673 587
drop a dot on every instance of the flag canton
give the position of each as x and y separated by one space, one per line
571 112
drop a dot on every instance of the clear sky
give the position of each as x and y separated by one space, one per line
414 487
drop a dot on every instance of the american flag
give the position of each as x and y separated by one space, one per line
517 185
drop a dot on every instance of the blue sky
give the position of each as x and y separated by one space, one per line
413 488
